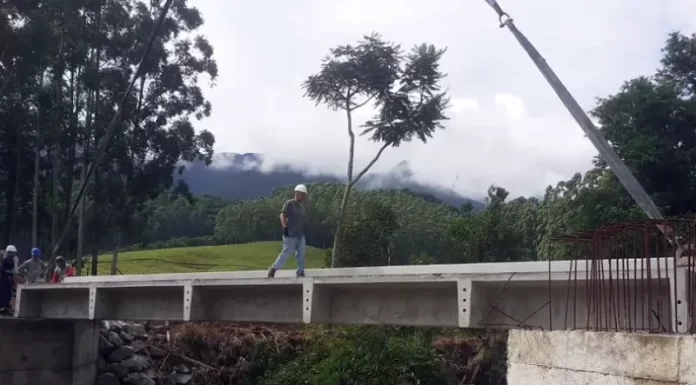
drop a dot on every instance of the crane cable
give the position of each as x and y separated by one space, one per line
103 144
616 164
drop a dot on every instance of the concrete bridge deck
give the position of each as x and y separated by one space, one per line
498 295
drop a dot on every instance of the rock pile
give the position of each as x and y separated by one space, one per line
126 358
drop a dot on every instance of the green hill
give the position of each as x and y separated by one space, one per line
248 256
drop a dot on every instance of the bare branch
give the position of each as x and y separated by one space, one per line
364 103
369 165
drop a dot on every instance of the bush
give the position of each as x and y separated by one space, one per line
365 356
242 352
345 355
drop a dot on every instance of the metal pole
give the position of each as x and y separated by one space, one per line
605 150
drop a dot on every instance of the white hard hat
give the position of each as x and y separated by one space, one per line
301 188
10 249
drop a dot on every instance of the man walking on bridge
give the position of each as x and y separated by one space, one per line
292 220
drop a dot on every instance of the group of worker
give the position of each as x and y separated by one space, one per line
27 272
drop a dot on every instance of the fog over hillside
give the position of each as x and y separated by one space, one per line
242 176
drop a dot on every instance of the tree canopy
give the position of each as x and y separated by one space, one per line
64 67
650 123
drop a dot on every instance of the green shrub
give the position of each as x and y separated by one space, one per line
364 356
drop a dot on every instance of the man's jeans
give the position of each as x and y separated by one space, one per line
290 245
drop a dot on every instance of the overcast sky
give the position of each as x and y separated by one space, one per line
507 126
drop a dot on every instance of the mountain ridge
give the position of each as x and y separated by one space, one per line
240 176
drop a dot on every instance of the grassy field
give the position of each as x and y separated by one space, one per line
249 256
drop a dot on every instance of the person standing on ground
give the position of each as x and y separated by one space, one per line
292 221
7 269
32 269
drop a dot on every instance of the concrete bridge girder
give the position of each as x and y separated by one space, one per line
500 295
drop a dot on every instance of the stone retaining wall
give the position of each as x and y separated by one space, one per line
126 357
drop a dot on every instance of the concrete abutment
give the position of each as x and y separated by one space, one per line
48 352
600 358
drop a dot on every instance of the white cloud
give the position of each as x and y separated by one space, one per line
461 105
507 126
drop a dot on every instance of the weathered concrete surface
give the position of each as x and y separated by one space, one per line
590 358
536 375
489 295
48 352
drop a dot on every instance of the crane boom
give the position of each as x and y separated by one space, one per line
616 164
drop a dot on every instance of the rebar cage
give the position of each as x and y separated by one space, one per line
638 277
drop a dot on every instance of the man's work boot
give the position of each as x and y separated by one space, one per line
300 274
271 272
